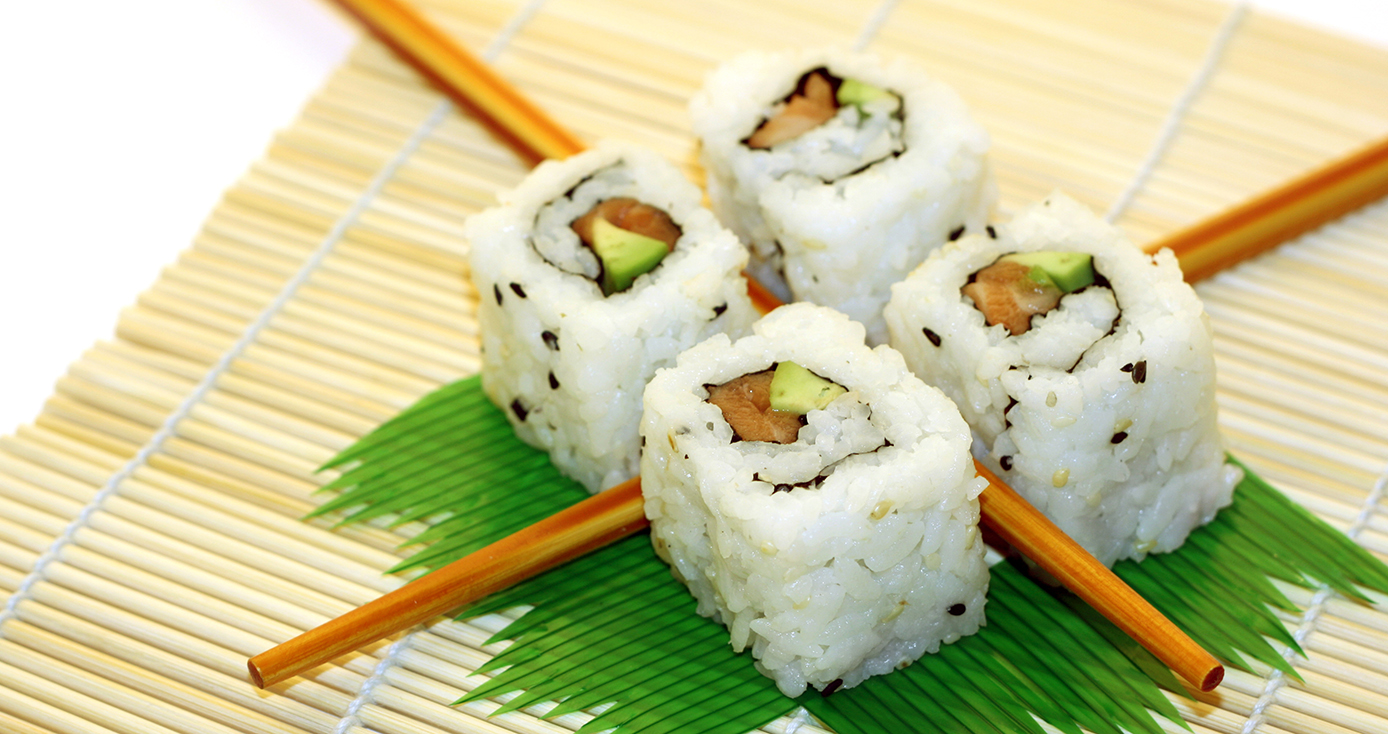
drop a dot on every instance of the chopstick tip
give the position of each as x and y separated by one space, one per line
257 679
1212 679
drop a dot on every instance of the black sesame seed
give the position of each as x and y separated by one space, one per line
519 409
956 233
1126 368
1118 437
518 289
551 340
932 336
993 233
643 442
834 685
718 310
1140 372
553 382
496 292
1006 463
957 609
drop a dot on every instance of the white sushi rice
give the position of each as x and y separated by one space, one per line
838 214
868 556
1102 415
566 364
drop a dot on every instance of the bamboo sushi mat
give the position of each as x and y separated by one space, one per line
142 566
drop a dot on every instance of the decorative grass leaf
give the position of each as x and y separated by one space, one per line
681 673
615 627
453 457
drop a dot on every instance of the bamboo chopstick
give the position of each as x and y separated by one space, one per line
1026 529
466 79
619 512
1292 209
586 526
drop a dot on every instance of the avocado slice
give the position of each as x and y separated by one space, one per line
858 94
625 255
1068 271
795 389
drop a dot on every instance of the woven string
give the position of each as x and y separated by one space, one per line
1277 680
1172 124
209 380
874 24
367 693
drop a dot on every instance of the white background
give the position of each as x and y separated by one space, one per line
125 121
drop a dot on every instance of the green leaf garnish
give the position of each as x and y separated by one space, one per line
615 627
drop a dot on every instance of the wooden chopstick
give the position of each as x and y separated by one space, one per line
1294 208
601 519
619 511
467 80
1024 527
1204 249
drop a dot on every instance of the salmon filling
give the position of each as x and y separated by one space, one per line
631 215
629 238
746 405
813 103
1007 294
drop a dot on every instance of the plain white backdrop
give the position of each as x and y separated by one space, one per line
123 123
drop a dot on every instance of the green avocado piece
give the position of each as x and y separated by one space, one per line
1068 271
625 255
854 92
795 389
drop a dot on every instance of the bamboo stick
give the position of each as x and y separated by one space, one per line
470 82
200 713
1281 214
306 706
540 547
1025 528
584 527
49 718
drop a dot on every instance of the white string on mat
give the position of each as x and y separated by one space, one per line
801 719
874 24
1172 124
351 717
168 428
1276 679
366 695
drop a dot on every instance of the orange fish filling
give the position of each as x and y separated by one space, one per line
746 405
631 215
805 110
1007 294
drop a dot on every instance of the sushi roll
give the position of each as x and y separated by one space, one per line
840 171
1086 370
592 274
816 498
